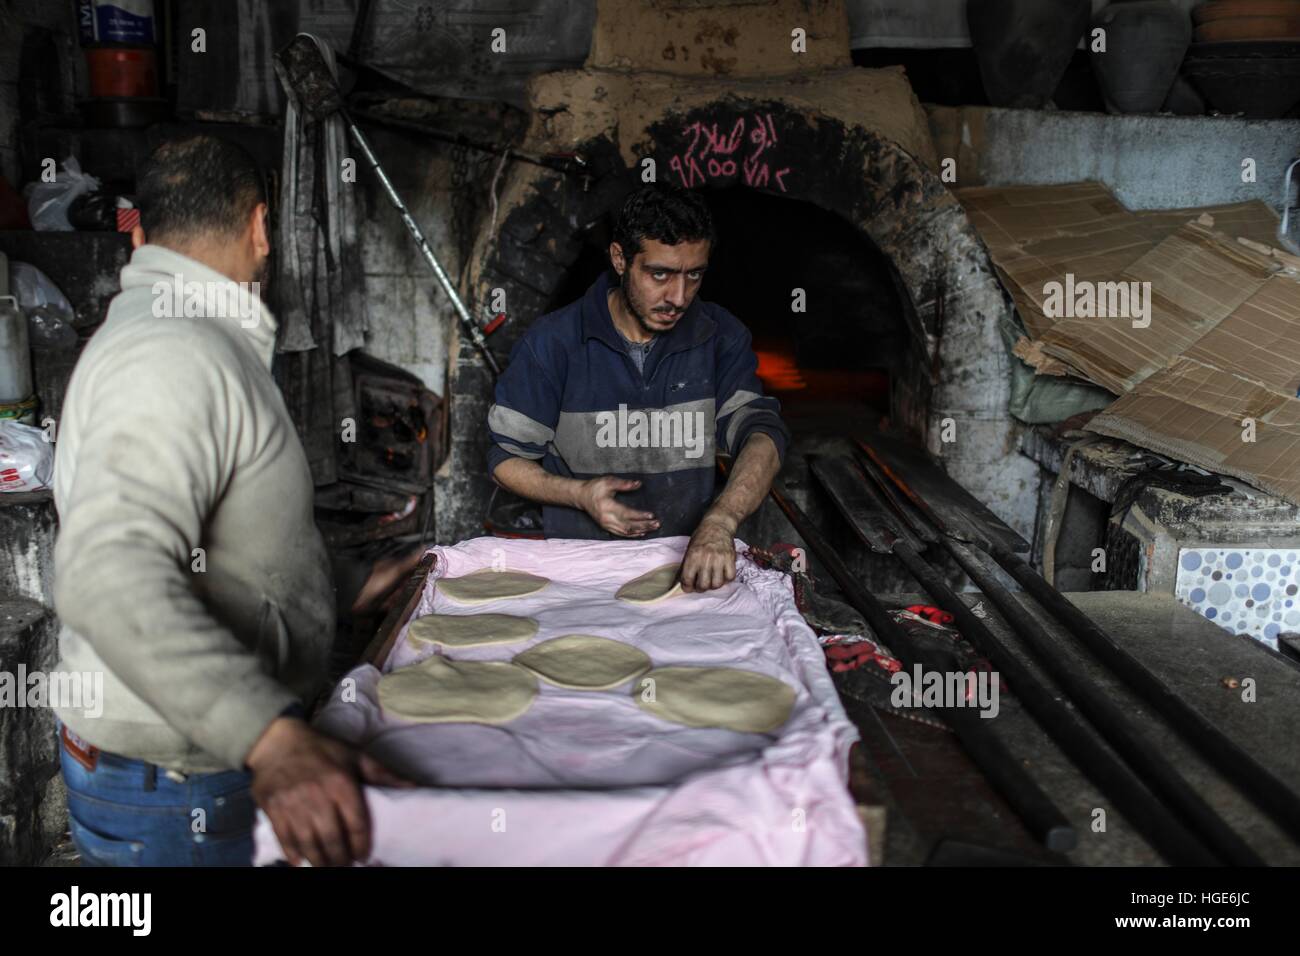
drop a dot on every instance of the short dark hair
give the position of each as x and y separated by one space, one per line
665 214
200 184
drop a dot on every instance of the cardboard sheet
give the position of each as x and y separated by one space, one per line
1189 283
1195 413
1212 380
1036 234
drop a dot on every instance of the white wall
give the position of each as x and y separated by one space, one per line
1150 162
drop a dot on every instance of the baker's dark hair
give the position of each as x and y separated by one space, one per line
197 185
665 214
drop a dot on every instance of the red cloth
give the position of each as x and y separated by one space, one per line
847 657
934 615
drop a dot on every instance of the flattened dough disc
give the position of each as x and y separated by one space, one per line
443 691
470 630
479 587
584 662
653 586
717 697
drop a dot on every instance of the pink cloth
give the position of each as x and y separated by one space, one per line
589 778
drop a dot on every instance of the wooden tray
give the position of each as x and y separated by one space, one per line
381 646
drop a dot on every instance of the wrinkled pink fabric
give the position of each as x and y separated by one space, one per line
589 778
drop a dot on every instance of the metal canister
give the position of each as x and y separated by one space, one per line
17 400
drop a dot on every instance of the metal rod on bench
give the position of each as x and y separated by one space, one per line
848 489
1131 743
1252 778
1260 785
1040 815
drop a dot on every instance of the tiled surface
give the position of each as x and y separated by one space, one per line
1249 591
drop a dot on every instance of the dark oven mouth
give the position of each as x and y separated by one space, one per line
819 299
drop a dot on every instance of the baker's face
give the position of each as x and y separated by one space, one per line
661 281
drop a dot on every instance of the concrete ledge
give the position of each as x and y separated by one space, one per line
1143 541
27 526
33 802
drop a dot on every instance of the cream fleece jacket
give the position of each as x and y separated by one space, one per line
174 437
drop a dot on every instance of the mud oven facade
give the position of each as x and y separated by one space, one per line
719 97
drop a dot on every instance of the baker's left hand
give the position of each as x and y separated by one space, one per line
710 560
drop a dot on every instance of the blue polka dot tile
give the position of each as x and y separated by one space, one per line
1262 606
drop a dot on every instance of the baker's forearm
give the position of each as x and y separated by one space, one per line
750 479
530 480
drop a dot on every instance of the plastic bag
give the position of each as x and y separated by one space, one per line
26 458
34 290
94 212
48 203
49 313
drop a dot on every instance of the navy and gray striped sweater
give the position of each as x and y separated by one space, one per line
573 399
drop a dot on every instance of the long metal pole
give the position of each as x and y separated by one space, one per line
466 320
309 81
1131 743
1112 777
1110 774
1255 781
1040 815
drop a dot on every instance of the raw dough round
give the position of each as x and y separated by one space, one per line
584 662
479 587
653 586
717 697
470 630
443 691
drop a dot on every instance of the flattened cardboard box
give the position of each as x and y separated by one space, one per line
1195 413
1228 402
1189 283
1037 234
1213 379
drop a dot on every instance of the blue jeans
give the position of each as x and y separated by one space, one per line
130 813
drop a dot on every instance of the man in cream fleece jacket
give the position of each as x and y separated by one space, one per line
189 571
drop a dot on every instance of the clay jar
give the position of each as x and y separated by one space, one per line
1145 44
1024 46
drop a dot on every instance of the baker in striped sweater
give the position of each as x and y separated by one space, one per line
612 408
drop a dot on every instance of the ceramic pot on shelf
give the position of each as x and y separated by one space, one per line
1146 41
1024 46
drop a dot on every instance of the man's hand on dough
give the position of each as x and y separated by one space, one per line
710 560
597 499
309 787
